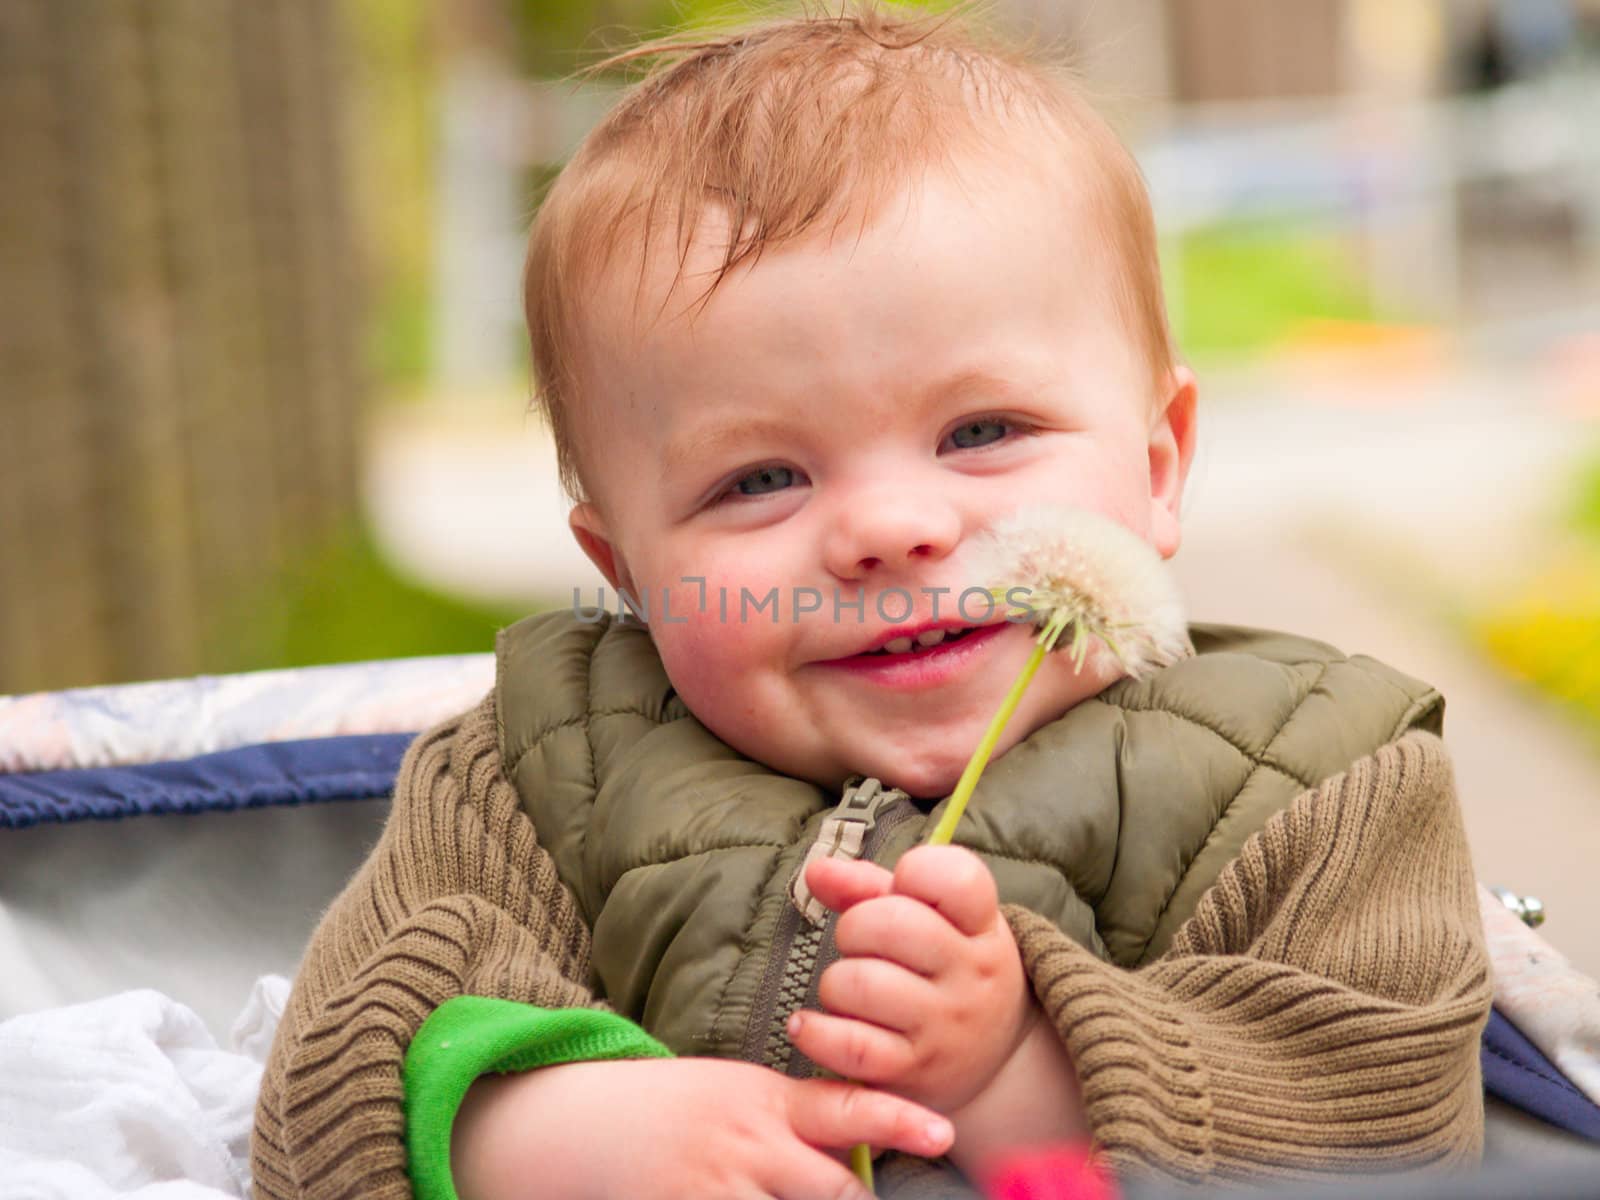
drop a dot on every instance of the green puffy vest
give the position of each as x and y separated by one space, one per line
1112 821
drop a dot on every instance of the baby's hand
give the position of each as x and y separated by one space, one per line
928 998
659 1129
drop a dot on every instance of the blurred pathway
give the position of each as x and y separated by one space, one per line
1348 508
1307 478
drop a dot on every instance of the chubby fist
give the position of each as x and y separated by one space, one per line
661 1129
928 999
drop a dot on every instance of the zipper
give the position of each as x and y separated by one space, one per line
803 945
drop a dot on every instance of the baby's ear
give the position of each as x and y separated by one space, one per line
589 527
1172 440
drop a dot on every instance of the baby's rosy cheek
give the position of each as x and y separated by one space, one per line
708 641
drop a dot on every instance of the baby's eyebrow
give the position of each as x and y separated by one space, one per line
976 379
690 449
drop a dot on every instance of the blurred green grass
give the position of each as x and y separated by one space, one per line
343 602
1243 290
1586 509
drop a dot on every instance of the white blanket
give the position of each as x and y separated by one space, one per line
131 1096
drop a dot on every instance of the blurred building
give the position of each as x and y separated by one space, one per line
1189 52
1450 140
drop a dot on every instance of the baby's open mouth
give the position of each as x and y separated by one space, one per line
925 640
928 658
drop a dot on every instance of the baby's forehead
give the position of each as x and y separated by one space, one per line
672 267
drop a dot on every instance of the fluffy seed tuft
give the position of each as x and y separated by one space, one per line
1076 570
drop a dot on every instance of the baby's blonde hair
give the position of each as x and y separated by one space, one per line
798 120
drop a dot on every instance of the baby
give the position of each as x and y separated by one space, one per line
814 305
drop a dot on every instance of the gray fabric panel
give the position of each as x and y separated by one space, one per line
195 906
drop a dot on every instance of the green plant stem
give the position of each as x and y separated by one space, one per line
946 828
861 1164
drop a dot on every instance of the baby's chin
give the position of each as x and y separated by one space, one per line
932 770
922 776
924 780
893 766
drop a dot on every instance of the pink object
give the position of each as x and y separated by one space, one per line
1050 1173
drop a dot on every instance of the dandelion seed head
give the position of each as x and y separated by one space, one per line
1089 570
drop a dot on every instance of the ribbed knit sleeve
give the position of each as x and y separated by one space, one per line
1321 1009
456 899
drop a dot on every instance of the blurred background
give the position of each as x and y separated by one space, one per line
263 385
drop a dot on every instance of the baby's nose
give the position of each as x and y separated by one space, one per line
887 529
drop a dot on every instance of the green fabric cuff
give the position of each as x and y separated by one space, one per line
469 1036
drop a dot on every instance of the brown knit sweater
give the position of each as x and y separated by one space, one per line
1321 1009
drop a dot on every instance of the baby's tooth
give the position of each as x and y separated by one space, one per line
930 637
898 646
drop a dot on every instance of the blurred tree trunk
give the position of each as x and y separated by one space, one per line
179 324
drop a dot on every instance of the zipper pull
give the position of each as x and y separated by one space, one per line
842 835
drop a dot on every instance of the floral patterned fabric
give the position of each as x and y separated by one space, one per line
177 719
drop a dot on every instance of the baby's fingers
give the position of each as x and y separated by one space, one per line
830 1113
858 1050
839 883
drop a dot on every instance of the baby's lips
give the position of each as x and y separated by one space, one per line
911 629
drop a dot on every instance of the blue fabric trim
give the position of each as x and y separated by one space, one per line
1515 1071
312 771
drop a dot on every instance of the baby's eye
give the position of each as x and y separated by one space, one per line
981 432
763 480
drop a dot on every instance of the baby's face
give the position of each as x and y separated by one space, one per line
843 419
